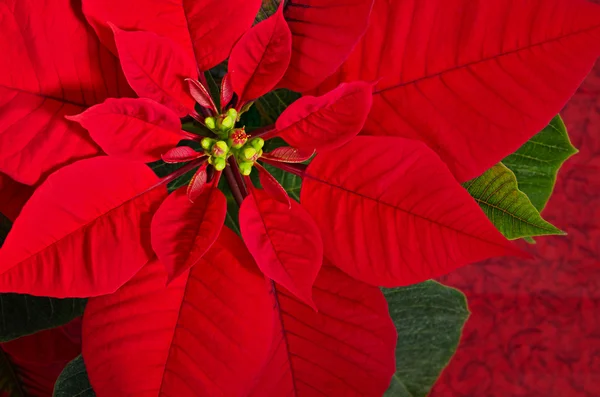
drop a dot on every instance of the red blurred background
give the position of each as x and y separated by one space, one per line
535 325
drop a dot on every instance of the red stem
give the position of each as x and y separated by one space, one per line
233 185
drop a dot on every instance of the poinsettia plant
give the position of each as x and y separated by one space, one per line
232 182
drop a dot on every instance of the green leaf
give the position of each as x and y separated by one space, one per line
290 182
22 315
429 318
509 209
271 105
73 381
267 8
10 384
537 162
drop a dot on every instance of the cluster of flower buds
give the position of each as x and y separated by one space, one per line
231 142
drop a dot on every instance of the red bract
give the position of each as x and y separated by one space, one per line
51 66
473 80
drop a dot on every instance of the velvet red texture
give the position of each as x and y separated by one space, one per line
534 329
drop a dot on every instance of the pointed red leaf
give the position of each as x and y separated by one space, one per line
204 29
38 359
323 35
156 68
201 95
51 65
13 195
198 183
473 85
394 214
259 60
182 231
135 129
181 154
84 232
206 334
345 349
328 121
272 186
284 241
226 91
287 154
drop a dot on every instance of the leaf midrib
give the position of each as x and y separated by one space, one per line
486 59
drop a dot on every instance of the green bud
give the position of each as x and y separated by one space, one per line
231 112
245 167
220 149
219 163
257 143
210 122
207 143
227 123
248 153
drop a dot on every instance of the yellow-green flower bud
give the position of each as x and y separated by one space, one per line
248 153
219 163
245 167
231 112
227 123
220 149
207 143
257 143
210 122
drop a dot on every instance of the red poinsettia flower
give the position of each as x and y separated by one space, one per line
385 210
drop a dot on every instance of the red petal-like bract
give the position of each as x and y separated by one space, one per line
259 60
472 79
181 154
205 29
394 214
287 154
13 195
345 349
51 65
323 35
284 241
156 68
38 359
182 231
226 90
84 232
272 186
137 129
201 95
206 334
328 121
198 183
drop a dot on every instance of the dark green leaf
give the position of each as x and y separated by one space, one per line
290 182
537 162
267 9
74 381
9 382
271 105
22 315
429 318
509 209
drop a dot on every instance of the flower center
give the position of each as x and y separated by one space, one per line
231 142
